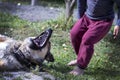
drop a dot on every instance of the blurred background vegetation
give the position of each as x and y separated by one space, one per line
55 3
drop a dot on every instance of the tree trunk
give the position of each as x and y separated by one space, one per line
33 2
69 8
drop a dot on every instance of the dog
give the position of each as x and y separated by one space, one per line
21 55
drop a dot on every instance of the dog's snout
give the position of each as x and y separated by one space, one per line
52 59
49 57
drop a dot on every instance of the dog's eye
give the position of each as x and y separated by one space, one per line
33 46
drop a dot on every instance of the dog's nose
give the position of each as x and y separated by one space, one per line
52 60
49 57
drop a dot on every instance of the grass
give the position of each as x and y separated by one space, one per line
105 64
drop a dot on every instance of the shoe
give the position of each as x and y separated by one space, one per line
77 71
72 63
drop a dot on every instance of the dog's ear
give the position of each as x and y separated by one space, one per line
41 40
33 46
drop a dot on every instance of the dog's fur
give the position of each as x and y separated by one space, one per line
17 55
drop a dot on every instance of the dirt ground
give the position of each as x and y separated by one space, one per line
32 13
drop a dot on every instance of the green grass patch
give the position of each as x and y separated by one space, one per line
6 20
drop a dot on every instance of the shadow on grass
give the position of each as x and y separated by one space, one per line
104 72
61 68
109 69
114 52
5 31
5 20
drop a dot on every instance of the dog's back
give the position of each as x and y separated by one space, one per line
7 60
4 41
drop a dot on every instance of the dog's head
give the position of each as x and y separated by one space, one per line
38 47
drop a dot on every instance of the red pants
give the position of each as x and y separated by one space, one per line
84 34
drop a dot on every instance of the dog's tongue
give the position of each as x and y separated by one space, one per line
41 40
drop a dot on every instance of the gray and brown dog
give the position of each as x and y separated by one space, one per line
18 55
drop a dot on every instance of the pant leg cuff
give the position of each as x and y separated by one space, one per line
80 66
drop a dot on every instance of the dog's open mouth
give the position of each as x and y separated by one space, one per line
41 40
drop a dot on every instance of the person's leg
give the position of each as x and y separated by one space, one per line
76 34
97 30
